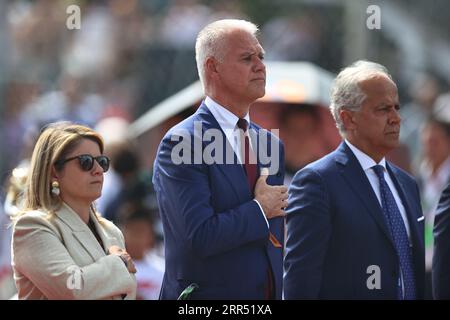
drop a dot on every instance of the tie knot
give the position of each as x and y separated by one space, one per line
379 170
242 124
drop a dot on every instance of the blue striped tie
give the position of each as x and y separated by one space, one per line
399 235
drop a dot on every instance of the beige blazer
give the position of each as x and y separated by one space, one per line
58 257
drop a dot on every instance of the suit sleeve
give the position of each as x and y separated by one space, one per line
40 255
441 256
185 196
308 225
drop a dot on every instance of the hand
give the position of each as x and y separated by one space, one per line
130 265
116 250
273 199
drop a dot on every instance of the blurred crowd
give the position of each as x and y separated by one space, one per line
129 55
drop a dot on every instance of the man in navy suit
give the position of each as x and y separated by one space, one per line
355 228
223 226
441 257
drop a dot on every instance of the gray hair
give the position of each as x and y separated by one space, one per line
346 92
210 42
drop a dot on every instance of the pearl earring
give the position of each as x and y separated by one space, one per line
55 188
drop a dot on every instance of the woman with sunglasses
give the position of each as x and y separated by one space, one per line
61 247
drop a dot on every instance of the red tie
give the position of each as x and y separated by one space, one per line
250 166
248 156
251 170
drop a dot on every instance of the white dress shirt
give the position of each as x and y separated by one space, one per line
228 123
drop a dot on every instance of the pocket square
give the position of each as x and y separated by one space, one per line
420 219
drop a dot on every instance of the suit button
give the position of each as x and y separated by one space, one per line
394 274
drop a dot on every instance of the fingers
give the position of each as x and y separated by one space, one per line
283 199
115 250
276 214
273 199
281 213
279 210
262 178
276 189
264 172
131 266
280 189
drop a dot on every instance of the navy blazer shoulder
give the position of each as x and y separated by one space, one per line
337 234
441 256
215 234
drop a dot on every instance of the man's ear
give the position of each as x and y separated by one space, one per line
211 65
348 119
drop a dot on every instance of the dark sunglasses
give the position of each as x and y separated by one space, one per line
87 162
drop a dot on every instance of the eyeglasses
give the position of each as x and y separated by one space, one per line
87 162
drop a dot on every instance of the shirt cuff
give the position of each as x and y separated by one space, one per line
262 211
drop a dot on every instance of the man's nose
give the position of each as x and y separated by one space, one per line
395 116
259 65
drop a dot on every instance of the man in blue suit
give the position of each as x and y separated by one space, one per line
355 228
223 226
441 257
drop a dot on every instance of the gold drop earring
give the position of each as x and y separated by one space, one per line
55 188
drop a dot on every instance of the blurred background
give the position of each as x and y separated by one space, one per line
130 72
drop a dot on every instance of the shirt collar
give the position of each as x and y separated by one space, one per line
364 160
226 119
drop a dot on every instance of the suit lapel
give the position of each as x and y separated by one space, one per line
81 232
104 236
234 172
354 175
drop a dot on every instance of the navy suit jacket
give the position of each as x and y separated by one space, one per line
336 230
441 256
215 234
